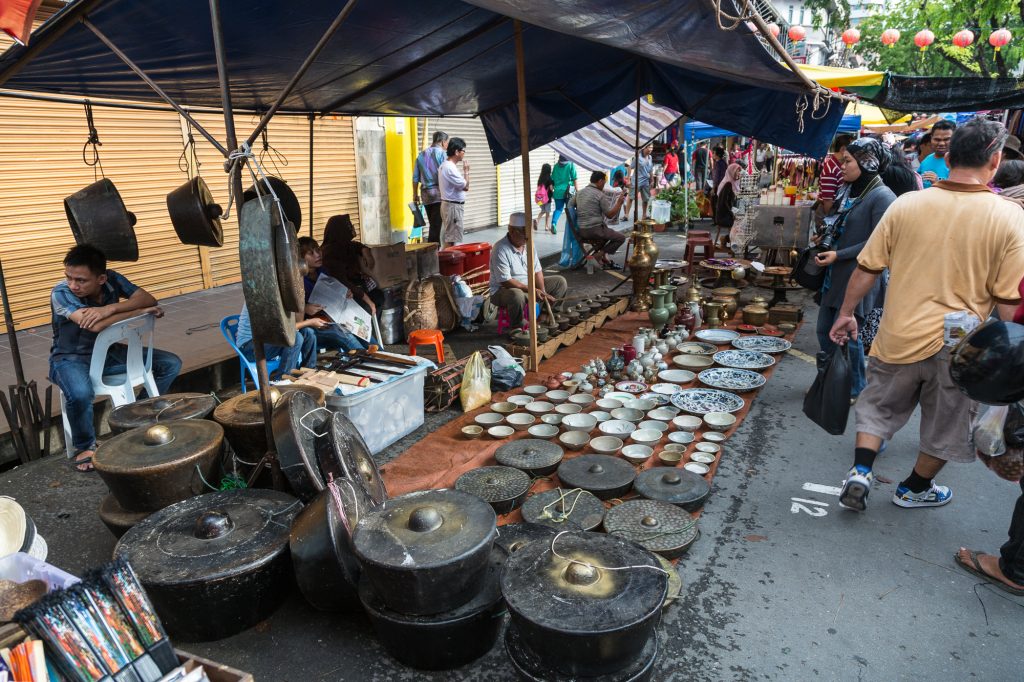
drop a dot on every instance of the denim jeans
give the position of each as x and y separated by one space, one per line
72 377
559 207
335 338
826 318
1011 555
302 353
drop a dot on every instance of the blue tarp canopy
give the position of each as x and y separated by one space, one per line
585 59
695 130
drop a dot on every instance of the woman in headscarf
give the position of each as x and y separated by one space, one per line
858 207
726 192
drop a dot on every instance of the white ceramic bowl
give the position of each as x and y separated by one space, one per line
568 408
606 445
579 422
520 400
570 385
677 376
654 425
715 437
617 427
600 415
574 440
539 407
582 399
637 453
621 396
719 421
535 389
645 436
489 419
692 362
687 422
710 448
681 437
670 457
472 431
702 457
609 404
628 414
552 418
520 421
504 408
675 447
499 432
557 397
642 404
662 414
697 468
543 431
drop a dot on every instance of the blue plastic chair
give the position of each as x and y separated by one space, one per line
229 327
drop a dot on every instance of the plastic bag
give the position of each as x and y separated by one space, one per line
476 384
987 430
827 403
503 359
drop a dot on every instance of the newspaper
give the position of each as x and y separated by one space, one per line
333 297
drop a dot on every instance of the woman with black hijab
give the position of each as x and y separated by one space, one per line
858 207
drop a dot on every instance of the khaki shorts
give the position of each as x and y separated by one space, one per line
894 391
452 222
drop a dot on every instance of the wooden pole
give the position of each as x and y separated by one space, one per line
524 149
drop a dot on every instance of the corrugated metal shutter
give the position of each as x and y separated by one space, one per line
510 176
482 198
334 172
41 163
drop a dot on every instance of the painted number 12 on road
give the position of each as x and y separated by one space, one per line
815 508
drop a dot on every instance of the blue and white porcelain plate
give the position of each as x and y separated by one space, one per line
762 344
729 379
659 398
717 336
743 359
700 401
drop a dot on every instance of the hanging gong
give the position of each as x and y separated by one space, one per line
296 421
326 568
242 419
530 667
588 605
563 509
162 408
290 269
504 488
151 467
514 536
675 486
216 564
656 526
426 552
603 475
289 202
344 454
261 284
535 456
195 215
98 216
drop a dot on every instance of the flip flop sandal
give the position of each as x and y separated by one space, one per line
76 463
980 572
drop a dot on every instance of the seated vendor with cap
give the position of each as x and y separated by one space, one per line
86 303
594 206
333 336
509 286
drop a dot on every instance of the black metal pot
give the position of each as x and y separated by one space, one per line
289 202
326 568
445 640
532 668
426 552
195 215
578 617
98 216
216 564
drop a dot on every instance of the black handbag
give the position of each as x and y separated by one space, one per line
806 272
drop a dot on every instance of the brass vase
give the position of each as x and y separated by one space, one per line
728 306
640 265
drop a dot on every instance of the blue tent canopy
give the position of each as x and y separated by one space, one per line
695 130
584 61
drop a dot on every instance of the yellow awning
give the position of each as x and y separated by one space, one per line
871 115
838 77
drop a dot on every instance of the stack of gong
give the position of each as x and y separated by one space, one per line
430 581
164 451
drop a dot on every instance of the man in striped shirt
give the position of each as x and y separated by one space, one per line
832 174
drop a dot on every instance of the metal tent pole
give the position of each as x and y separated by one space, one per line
636 181
311 117
524 150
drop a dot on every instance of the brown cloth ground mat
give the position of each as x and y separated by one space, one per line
443 455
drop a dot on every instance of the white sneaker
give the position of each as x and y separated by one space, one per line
936 496
856 488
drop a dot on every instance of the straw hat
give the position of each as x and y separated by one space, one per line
18 532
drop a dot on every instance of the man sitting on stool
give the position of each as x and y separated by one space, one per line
82 306
510 276
593 208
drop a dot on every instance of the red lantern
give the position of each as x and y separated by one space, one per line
890 36
999 38
774 29
798 33
963 38
923 39
851 37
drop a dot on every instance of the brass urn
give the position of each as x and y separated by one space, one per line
640 265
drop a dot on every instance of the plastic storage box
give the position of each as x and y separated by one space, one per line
387 411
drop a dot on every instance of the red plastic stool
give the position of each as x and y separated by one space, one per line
503 321
428 337
706 246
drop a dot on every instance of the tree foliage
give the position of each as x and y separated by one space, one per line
944 18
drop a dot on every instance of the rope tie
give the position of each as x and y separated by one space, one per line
188 153
244 156
332 486
302 420
179 400
589 564
546 509
94 140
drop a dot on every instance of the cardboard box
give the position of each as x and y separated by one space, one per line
426 258
215 671
389 264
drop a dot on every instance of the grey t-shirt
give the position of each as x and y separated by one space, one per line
592 205
508 262
643 171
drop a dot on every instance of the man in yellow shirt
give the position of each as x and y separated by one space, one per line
954 252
